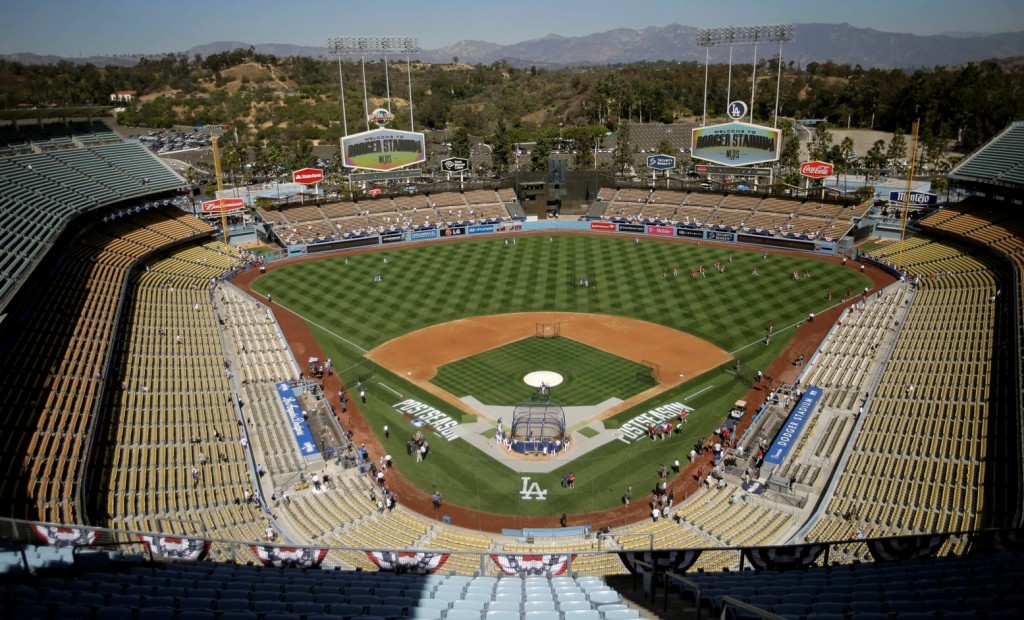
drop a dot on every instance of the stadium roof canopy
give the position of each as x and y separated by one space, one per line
44 113
1000 161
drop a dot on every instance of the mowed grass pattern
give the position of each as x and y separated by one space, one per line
495 377
434 283
428 284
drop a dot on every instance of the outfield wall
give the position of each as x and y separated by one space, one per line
637 229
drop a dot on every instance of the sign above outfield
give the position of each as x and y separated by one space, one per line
817 169
736 144
916 198
308 176
383 149
455 164
223 205
661 162
740 172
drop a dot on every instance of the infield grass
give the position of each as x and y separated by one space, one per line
434 283
590 376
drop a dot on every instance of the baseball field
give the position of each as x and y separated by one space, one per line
479 299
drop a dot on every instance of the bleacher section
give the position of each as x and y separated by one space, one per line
32 137
56 357
342 220
80 169
998 161
172 402
918 461
736 212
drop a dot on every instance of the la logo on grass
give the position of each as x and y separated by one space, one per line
532 491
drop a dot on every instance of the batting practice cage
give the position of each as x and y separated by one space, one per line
538 428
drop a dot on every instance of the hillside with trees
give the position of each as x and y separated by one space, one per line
276 102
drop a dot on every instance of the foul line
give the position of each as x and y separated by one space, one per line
698 392
389 389
345 340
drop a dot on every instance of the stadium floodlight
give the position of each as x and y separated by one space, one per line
743 35
363 46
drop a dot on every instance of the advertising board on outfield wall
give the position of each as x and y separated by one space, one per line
720 235
692 233
609 226
480 229
665 231
736 144
454 231
417 235
631 228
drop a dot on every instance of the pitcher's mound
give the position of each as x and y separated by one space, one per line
545 377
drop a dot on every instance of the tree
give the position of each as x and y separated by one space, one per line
461 143
790 155
623 154
501 153
845 149
541 151
897 150
665 147
821 142
875 157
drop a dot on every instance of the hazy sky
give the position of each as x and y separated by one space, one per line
91 27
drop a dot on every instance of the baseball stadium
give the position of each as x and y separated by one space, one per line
437 405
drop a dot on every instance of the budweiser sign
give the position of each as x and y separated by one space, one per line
816 169
223 205
308 176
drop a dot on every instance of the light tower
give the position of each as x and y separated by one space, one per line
743 35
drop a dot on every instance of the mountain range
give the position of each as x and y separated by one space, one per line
840 43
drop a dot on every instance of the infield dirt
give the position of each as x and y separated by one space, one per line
416 356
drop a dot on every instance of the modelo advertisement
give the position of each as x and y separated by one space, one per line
717 235
665 231
610 226
692 233
631 228
417 235
455 231
392 238
480 229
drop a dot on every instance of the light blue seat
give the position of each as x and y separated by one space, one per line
582 614
605 597
422 613
542 615
503 605
529 606
622 614
462 614
502 615
574 606
477 606
570 596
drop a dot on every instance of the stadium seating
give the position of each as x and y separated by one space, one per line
918 462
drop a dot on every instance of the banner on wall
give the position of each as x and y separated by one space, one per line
419 562
550 564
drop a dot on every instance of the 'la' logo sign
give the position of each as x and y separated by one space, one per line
532 491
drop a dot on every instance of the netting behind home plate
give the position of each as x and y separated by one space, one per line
538 420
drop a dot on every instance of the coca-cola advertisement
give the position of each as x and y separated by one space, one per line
816 169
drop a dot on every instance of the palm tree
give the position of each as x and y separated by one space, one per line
846 147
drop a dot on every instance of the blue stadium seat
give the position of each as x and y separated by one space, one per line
463 614
582 614
622 614
529 606
345 609
574 606
502 615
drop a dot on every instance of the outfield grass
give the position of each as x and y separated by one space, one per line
428 284
590 376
